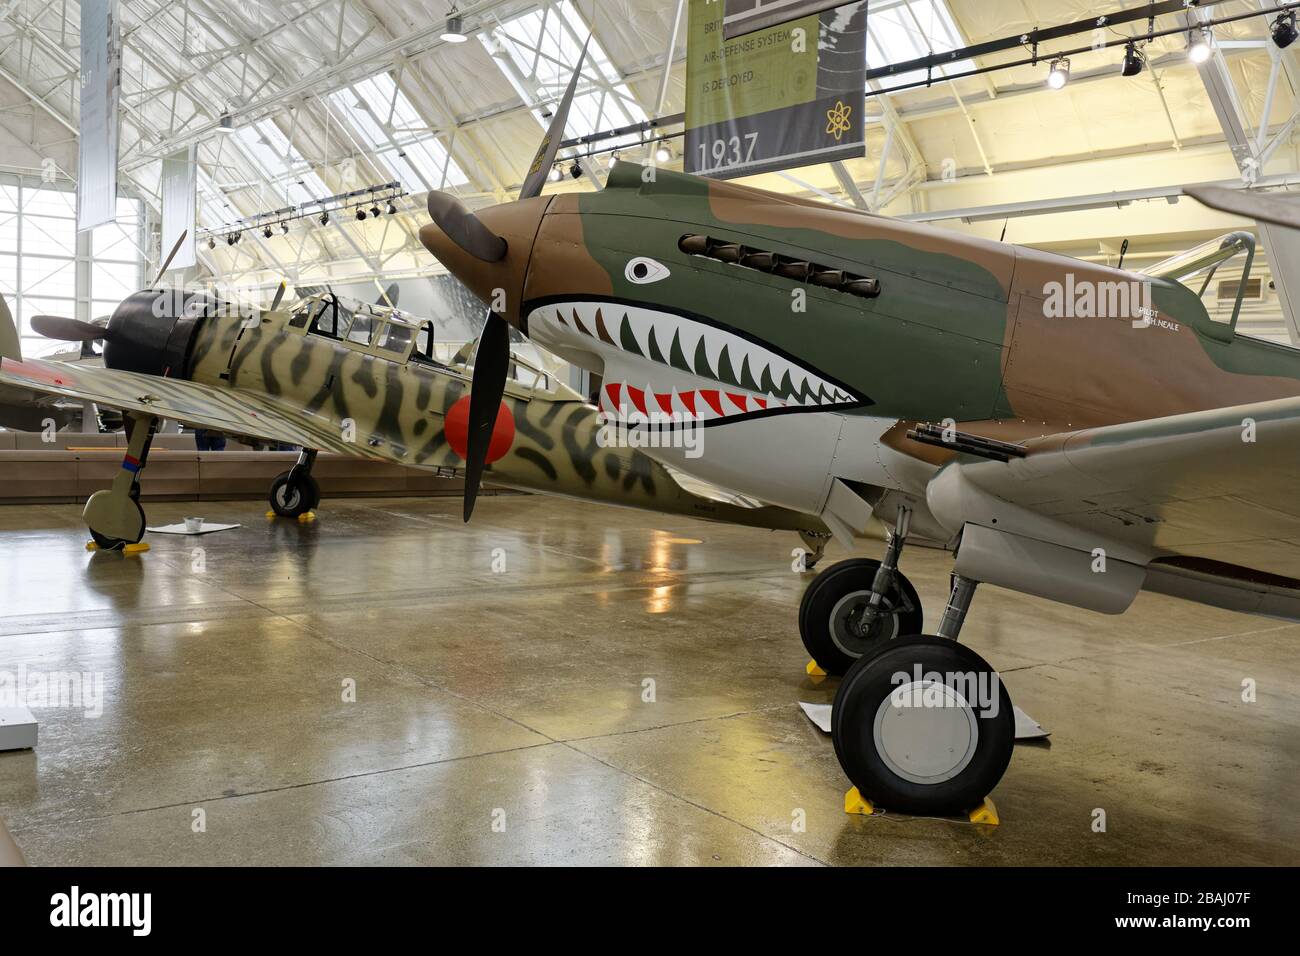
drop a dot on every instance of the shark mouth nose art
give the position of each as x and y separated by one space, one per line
655 362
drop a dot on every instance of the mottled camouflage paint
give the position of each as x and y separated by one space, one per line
397 410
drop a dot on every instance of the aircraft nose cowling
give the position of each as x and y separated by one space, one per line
500 284
152 332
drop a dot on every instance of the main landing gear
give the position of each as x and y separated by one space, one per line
296 492
924 725
921 724
114 516
855 607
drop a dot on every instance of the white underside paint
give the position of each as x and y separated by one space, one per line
782 453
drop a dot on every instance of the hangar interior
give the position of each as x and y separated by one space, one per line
562 681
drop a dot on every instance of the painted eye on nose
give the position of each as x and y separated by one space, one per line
644 271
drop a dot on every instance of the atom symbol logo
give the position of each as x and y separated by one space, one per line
837 120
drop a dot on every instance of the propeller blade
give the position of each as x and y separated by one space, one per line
67 330
491 364
170 256
1279 209
545 159
464 228
279 296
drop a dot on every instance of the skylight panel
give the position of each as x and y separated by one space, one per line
383 114
542 47
900 30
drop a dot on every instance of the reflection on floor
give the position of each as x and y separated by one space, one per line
559 683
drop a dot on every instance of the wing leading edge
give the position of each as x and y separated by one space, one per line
1209 496
199 406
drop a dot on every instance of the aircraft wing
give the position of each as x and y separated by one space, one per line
1213 494
193 404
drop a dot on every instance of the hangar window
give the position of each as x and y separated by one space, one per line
40 249
407 149
537 51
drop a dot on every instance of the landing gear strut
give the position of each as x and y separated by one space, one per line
924 725
296 492
114 516
855 607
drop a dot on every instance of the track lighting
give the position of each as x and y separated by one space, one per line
392 208
575 171
268 232
1198 45
231 240
324 219
212 242
284 229
556 174
374 212
1134 60
227 124
361 214
663 154
1060 74
1284 30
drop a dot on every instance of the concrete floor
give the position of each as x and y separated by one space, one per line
499 717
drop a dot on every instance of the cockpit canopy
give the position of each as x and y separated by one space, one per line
377 329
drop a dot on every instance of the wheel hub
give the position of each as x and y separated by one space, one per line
926 732
856 627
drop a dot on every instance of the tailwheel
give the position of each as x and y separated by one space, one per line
294 493
837 622
923 726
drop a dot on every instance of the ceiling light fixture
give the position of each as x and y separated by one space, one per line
455 31
1198 45
227 124
1135 61
392 208
268 232
1284 30
664 153
361 214
1060 74
324 219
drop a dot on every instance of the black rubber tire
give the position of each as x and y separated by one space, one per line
865 688
293 497
836 655
105 543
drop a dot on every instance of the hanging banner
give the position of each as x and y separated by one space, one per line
179 189
746 16
784 96
101 75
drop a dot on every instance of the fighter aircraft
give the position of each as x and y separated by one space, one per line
1065 429
354 379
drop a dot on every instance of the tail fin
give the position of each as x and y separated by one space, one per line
1278 216
10 345
1276 208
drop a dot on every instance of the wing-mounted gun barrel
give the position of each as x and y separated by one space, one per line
967 444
